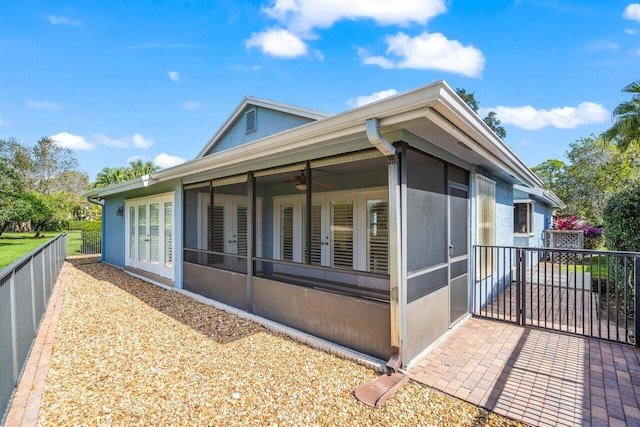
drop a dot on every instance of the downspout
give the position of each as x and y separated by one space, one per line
395 257
377 140
101 204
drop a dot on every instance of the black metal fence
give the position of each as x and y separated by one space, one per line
590 293
84 242
25 288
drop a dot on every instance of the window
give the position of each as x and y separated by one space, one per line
349 230
523 217
486 223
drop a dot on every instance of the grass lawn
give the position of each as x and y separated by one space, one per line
596 265
14 246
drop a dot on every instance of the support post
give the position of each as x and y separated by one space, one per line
14 326
523 282
397 291
251 227
637 301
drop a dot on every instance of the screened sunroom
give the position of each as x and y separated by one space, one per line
354 227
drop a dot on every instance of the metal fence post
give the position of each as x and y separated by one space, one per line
637 302
523 282
14 326
518 288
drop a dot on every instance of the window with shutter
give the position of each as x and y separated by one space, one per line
168 234
241 225
378 236
316 234
486 222
216 234
342 234
286 232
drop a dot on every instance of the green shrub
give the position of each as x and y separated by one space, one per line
622 233
92 237
77 224
622 220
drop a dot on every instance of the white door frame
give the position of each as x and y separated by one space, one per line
161 268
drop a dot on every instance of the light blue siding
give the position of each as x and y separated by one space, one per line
268 122
113 249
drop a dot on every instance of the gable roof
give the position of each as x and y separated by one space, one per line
264 103
423 112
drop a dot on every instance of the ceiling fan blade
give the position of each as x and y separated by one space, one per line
323 185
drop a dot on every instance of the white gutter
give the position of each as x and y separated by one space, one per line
376 138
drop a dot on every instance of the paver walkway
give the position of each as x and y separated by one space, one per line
536 376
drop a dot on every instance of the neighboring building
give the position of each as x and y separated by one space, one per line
399 191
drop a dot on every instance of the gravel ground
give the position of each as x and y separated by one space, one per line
131 353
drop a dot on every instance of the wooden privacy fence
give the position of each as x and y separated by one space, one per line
25 289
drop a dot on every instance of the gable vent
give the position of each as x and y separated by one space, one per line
250 120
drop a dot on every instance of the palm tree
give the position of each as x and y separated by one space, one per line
110 176
625 130
139 168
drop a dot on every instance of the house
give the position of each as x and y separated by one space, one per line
399 192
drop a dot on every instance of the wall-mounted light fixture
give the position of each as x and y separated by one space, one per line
120 211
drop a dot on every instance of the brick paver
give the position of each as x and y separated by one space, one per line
25 405
539 377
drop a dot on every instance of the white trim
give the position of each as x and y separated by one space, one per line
257 102
160 268
358 198
436 102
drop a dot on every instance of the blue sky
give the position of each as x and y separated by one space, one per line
116 81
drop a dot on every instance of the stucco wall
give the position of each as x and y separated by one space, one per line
113 245
268 122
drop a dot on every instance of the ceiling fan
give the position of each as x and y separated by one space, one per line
301 182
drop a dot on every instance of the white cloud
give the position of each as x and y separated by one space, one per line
140 142
166 160
632 12
301 16
174 76
368 99
430 51
135 140
192 105
63 20
74 142
297 20
602 45
44 105
530 118
278 42
381 61
630 31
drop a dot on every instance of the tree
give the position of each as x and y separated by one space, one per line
49 161
491 119
110 176
12 205
139 168
625 130
40 213
595 172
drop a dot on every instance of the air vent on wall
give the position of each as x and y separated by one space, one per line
250 121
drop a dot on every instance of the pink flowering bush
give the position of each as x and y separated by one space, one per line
593 237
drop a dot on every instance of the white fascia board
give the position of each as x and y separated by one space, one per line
247 101
412 104
547 196
464 117
133 184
